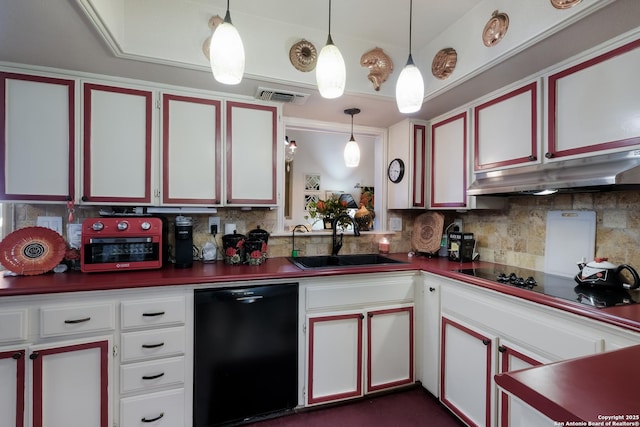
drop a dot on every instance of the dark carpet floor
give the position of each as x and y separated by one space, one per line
414 407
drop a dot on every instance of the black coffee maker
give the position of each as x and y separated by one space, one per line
184 241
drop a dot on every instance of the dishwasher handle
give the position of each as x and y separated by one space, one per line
249 299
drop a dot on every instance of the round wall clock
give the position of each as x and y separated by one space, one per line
395 172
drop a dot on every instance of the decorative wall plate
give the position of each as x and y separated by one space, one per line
427 232
495 29
32 250
444 63
564 4
303 55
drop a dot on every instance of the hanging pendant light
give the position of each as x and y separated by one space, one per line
351 150
410 86
330 69
226 52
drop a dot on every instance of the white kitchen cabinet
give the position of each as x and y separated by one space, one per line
38 138
70 383
334 357
335 353
118 154
252 134
408 142
191 150
12 387
593 104
466 365
448 161
510 412
348 356
428 325
507 128
153 365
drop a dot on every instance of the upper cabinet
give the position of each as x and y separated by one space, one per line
448 161
191 150
117 145
406 165
37 138
251 149
506 129
593 104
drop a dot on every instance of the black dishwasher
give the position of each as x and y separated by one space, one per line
245 353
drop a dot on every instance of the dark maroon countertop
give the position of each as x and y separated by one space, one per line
281 268
584 389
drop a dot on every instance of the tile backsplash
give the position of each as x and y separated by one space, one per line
514 235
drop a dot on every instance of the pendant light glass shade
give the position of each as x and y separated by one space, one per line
331 73
351 150
352 153
226 53
409 88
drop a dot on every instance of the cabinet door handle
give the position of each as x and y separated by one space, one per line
34 355
533 158
548 155
502 349
160 344
153 377
150 420
72 322
431 289
18 355
486 341
155 313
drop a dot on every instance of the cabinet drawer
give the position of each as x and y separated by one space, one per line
162 409
13 325
160 311
152 344
152 374
76 319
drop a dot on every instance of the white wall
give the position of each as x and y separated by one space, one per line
320 153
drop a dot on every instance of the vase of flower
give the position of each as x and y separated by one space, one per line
327 210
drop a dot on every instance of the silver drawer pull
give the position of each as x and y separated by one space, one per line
154 314
153 377
72 322
145 420
160 344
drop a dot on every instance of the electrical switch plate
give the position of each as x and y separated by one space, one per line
395 224
214 220
52 222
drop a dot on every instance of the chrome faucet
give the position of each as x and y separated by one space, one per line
302 228
336 245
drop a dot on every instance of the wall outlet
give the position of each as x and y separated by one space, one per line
395 224
52 222
457 223
215 222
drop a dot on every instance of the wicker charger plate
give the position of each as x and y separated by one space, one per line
32 250
427 232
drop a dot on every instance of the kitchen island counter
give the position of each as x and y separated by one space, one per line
592 390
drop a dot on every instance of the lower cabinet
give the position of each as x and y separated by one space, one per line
66 384
337 361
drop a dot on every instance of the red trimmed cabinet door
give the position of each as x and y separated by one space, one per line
511 412
12 385
466 372
117 145
37 134
70 385
390 345
449 143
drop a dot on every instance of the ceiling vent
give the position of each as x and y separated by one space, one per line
279 95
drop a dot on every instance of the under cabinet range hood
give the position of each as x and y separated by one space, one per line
615 171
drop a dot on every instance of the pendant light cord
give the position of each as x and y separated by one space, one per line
410 22
329 18
352 138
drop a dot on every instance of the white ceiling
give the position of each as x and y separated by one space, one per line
58 33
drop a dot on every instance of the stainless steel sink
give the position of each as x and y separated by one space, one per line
329 261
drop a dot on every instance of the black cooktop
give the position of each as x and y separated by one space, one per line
555 286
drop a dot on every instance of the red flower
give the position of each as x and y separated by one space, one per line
256 254
230 252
